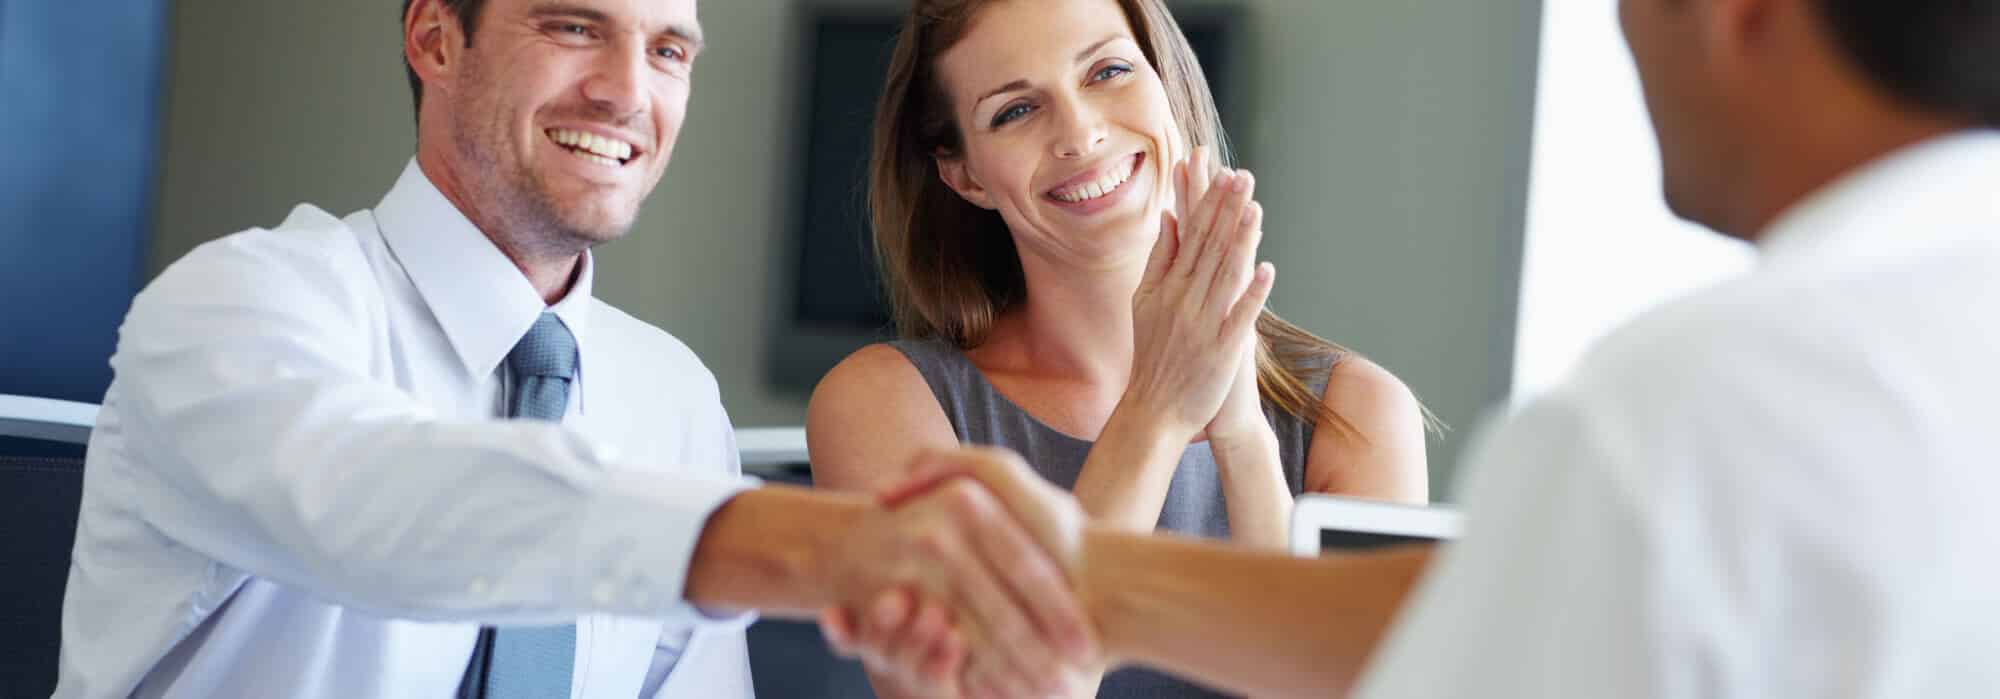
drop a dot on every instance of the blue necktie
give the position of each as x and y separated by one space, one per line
531 662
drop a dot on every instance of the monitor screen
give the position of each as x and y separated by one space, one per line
1341 540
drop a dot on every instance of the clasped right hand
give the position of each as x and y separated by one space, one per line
1199 299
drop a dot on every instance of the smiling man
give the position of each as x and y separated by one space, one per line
405 453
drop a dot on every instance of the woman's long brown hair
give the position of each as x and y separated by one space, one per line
951 268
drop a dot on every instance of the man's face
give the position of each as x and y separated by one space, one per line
563 113
1684 100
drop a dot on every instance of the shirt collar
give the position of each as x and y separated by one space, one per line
1953 176
481 300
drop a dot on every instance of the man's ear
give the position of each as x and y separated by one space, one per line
1733 29
432 41
951 169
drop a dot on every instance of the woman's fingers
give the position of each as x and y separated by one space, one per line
1201 172
1199 175
1198 229
1238 261
1224 263
1186 226
1243 317
1181 196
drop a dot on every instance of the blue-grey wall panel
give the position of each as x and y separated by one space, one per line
79 124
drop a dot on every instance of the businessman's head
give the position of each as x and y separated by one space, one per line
549 121
1758 102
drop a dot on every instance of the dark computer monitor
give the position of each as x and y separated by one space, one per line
1328 523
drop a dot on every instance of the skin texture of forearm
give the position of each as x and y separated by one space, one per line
765 550
1265 624
1124 480
1254 491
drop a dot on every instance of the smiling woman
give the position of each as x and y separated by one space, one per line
1073 271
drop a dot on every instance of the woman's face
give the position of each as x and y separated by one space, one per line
1067 129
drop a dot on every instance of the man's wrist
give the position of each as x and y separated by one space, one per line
774 548
1110 603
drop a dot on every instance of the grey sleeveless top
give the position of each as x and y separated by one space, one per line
979 414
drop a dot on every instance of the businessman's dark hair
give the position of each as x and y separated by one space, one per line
1935 54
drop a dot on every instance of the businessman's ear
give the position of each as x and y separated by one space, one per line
433 44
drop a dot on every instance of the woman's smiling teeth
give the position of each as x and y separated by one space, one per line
1104 184
589 146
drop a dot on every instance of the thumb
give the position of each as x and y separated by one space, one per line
921 482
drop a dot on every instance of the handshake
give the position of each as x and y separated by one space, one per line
966 581
977 578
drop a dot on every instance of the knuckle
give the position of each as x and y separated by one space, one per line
966 498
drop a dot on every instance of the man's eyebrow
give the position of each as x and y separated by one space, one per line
690 33
568 9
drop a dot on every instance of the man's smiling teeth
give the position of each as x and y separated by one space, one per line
1092 190
607 151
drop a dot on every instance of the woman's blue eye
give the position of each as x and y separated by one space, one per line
1111 71
1010 114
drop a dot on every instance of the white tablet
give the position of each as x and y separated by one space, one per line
1330 523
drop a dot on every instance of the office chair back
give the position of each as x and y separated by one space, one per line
38 504
41 484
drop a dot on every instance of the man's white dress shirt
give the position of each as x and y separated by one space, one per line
298 485
1785 486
